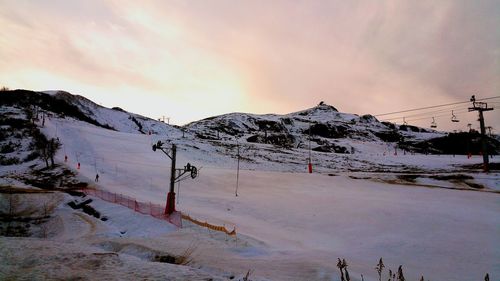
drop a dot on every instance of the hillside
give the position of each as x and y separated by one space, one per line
277 142
327 129
331 131
359 204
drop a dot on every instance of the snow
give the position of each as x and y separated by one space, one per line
312 217
124 222
357 219
291 225
51 92
77 246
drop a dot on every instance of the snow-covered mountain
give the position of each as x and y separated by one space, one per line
323 124
116 118
268 139
292 225
80 108
327 129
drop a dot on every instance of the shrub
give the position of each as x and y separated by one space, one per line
7 148
32 156
7 161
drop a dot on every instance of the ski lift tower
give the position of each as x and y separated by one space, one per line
171 153
480 107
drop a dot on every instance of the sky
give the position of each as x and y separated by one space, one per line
189 60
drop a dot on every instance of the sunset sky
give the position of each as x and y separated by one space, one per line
193 59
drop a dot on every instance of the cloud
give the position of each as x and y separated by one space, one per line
258 56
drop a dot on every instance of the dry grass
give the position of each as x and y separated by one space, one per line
187 256
12 189
17 204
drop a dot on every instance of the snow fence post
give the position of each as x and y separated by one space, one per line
235 236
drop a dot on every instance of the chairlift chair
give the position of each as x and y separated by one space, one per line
454 117
433 123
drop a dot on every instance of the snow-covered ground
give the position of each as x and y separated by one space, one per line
76 246
291 225
294 225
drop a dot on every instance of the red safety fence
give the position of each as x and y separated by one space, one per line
153 210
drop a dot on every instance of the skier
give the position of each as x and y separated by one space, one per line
96 177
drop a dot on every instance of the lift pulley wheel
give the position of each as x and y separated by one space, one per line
194 172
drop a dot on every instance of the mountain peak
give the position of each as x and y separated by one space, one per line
323 106
319 109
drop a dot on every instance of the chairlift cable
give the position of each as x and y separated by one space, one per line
428 113
427 117
434 106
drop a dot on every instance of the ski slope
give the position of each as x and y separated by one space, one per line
305 218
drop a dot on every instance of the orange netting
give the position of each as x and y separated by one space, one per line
210 226
153 210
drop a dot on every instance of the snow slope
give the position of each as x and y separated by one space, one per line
80 247
328 129
312 217
330 139
117 118
292 225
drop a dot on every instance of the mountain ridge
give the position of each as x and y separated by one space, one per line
321 128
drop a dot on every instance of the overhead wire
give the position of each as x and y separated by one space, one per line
433 106
452 109
429 113
435 116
